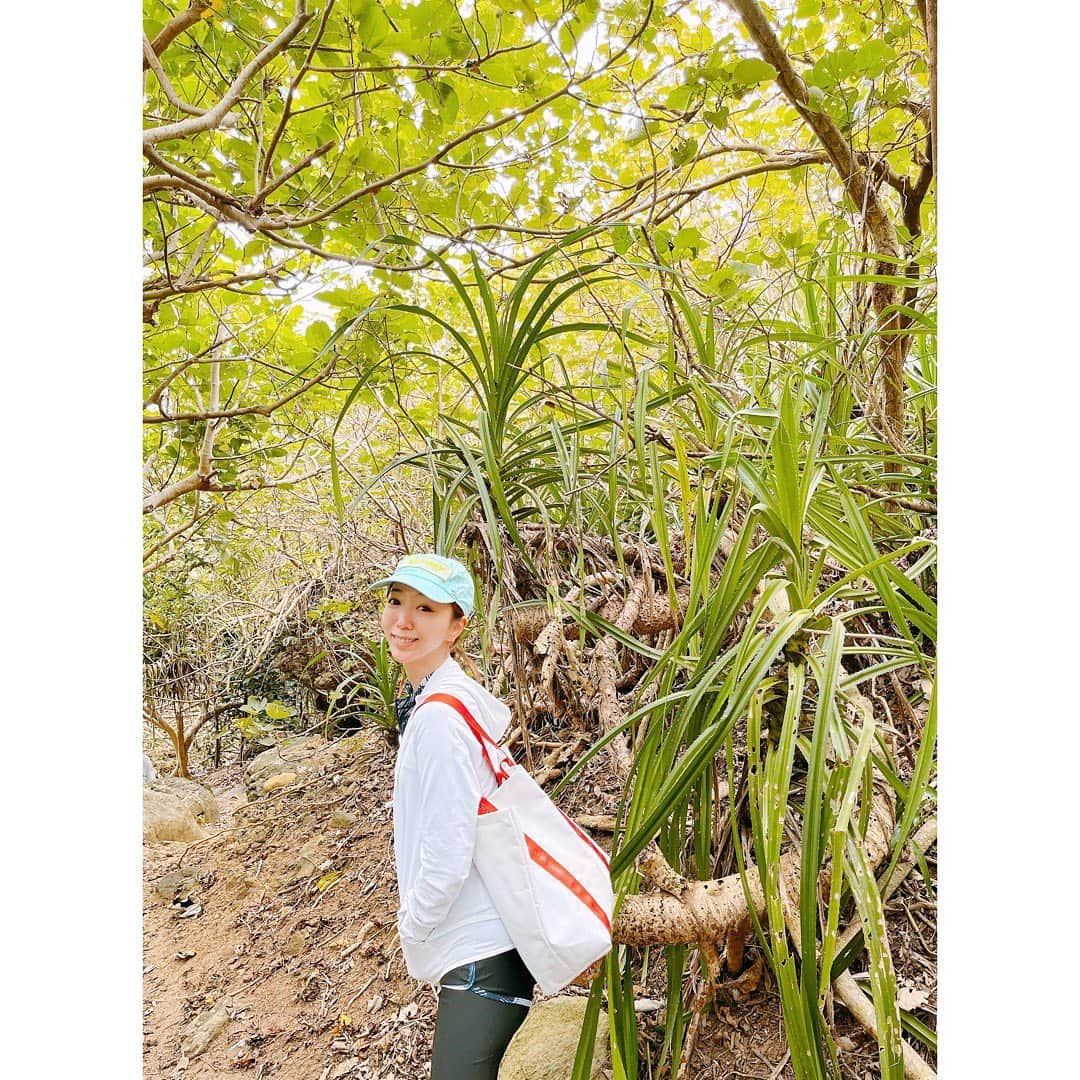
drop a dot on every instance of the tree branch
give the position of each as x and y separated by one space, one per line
202 284
928 14
194 482
213 414
171 31
286 112
181 129
150 57
481 129
860 189
195 518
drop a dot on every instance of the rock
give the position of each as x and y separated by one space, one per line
342 819
305 860
295 945
240 886
298 756
543 1048
148 770
177 809
205 1028
179 885
279 781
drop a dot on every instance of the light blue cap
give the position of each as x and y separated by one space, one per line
437 577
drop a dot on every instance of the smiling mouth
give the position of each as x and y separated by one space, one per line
399 640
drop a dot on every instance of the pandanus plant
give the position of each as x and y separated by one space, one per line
793 548
789 569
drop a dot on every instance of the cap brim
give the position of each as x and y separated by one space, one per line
431 589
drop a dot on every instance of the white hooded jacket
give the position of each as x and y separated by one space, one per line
446 916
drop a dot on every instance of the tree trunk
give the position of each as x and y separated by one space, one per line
862 190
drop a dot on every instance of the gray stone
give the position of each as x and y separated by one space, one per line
543 1048
206 1027
178 885
298 756
177 809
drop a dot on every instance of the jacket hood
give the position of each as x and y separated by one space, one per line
486 708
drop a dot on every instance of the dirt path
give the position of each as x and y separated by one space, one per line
285 924
295 928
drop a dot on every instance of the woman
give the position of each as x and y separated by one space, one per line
451 935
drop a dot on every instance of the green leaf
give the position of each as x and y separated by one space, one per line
683 151
317 334
688 239
449 102
753 70
275 710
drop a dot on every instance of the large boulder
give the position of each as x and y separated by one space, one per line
267 772
543 1048
177 809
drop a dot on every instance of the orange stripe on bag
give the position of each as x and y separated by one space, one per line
562 875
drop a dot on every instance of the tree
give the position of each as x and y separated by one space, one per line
634 305
284 146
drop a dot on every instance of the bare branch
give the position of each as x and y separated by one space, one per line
176 27
168 538
212 118
212 414
862 191
150 57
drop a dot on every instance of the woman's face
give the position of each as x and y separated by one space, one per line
420 630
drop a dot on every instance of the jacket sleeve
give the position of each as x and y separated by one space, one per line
448 756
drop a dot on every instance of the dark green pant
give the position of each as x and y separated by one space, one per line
474 1026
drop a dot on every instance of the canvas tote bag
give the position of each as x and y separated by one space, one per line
548 880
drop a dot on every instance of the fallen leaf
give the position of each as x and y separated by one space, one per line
738 990
327 880
909 998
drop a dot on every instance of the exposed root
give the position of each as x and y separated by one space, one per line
719 906
848 990
607 675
